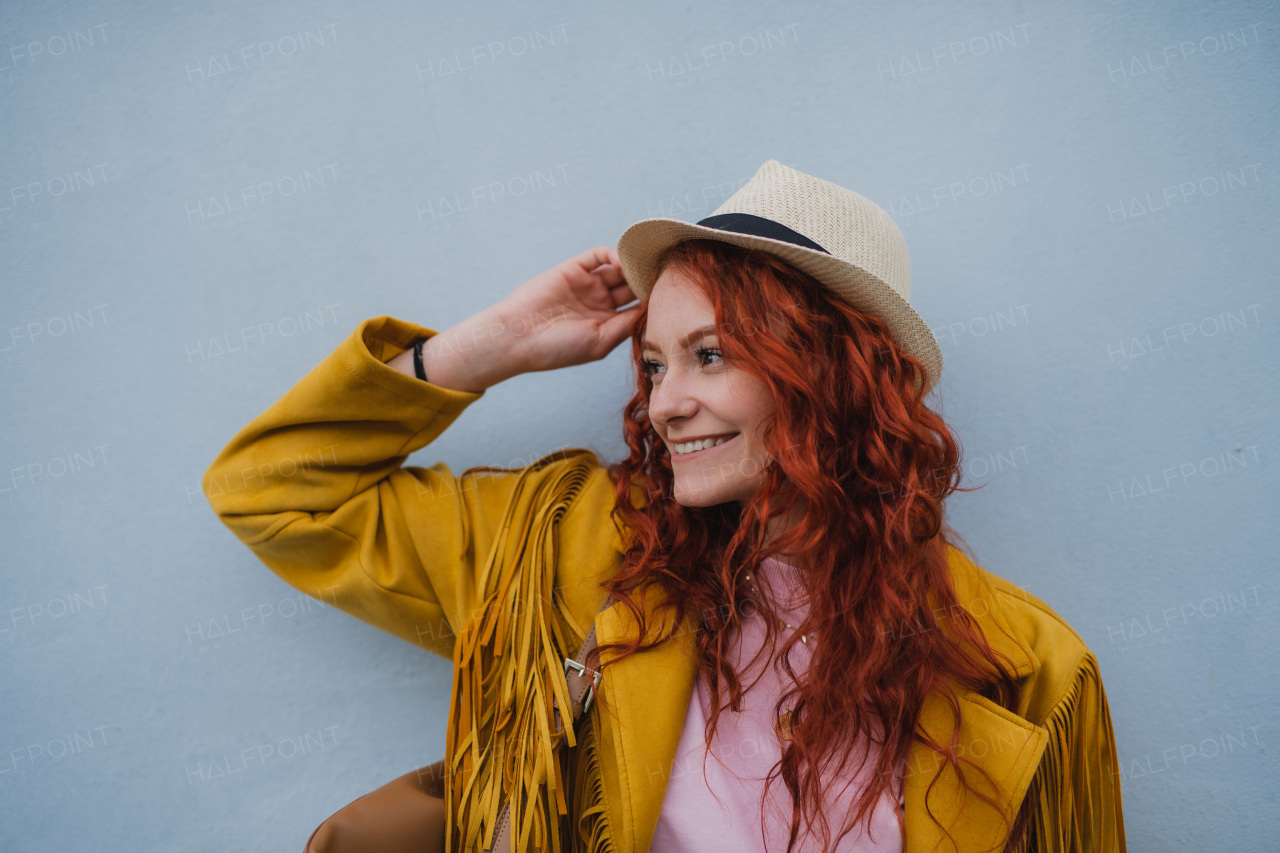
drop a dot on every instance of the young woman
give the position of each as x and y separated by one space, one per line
795 655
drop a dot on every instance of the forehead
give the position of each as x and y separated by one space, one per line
679 313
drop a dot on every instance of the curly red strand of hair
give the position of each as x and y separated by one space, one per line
854 444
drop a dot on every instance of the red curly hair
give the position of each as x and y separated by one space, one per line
854 443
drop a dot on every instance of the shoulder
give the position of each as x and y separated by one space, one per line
577 492
589 509
1075 790
1051 655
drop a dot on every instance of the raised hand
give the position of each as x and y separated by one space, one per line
567 315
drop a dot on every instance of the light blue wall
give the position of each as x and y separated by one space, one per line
1088 191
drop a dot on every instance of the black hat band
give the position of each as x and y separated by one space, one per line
759 226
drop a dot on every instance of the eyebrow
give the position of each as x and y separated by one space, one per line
696 334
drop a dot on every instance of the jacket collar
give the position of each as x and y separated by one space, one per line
648 696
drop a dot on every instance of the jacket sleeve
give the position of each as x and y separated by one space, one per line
316 488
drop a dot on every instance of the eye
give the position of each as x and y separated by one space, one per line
648 368
704 353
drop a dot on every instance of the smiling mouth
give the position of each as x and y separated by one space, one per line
690 449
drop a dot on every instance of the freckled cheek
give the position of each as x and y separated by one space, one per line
754 436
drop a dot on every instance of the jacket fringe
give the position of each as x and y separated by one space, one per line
593 832
1075 793
508 667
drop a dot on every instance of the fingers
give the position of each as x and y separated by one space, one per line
609 274
618 327
622 294
603 263
597 257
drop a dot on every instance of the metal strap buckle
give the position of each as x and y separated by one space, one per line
581 669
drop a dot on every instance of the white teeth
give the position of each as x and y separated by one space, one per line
691 446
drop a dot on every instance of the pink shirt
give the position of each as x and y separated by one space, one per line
722 810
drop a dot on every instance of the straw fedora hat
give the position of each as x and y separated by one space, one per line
842 239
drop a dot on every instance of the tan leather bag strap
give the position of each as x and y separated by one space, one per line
583 683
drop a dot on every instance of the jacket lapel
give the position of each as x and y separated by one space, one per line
1002 745
940 814
646 697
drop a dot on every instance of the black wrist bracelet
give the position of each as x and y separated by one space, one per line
418 369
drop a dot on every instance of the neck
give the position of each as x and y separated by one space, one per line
780 525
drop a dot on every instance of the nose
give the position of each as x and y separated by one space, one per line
671 400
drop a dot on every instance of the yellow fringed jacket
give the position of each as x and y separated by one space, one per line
316 488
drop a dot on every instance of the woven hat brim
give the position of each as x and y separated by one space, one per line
640 246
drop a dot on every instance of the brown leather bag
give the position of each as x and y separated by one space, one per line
408 814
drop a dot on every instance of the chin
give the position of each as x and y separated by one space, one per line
696 500
703 497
